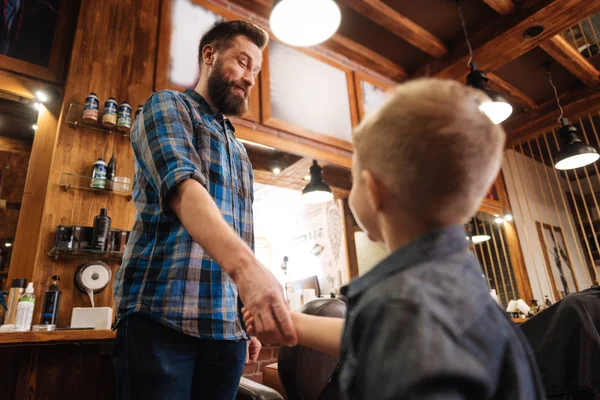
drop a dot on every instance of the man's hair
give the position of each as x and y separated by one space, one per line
433 148
222 33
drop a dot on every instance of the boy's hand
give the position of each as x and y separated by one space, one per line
253 350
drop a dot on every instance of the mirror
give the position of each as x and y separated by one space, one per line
17 123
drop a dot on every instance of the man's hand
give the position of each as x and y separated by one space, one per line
263 298
252 350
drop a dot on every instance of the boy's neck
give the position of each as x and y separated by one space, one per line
400 230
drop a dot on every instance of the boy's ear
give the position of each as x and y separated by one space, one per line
374 190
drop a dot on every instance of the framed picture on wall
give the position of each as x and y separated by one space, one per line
183 23
370 93
34 37
558 263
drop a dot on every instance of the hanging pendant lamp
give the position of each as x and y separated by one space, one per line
574 153
316 191
497 108
305 23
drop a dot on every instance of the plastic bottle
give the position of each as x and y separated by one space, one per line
51 303
25 309
17 289
101 231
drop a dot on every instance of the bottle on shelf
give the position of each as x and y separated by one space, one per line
101 231
17 289
99 175
51 303
109 119
25 309
111 172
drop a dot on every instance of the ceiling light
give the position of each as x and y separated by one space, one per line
508 217
7 244
34 127
497 108
37 106
307 177
276 171
533 31
41 96
477 239
316 191
256 144
499 220
573 153
305 22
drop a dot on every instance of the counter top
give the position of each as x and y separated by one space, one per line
33 338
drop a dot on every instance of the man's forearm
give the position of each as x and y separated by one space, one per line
201 217
319 333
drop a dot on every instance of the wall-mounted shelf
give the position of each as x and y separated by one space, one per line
75 119
69 181
55 253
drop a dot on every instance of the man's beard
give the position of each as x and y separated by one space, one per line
221 93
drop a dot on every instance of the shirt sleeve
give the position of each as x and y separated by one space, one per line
406 354
164 146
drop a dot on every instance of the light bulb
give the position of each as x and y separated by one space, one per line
480 239
498 220
316 197
7 244
276 171
41 96
307 177
305 22
577 161
508 217
37 106
497 111
34 127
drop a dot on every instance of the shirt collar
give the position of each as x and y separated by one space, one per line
207 108
433 245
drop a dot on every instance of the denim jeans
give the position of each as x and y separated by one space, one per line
153 361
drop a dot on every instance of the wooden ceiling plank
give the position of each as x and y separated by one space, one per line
567 56
365 56
558 48
575 105
501 42
512 92
502 7
390 19
12 145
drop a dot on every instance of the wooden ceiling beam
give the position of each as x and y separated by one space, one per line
567 56
557 48
501 42
513 93
384 15
530 125
338 44
502 7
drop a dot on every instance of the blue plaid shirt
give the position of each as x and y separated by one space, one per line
165 274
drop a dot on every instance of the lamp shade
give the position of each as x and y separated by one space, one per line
497 108
316 191
305 23
574 153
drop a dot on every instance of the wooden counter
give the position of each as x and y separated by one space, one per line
34 338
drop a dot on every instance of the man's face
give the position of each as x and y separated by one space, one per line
233 75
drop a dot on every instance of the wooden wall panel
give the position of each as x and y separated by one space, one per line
113 55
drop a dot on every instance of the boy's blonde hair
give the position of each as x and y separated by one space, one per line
433 149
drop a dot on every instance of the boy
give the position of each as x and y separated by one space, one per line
422 324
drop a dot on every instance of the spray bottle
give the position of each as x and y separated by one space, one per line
25 309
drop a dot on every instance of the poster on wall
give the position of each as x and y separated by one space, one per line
28 30
558 262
